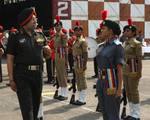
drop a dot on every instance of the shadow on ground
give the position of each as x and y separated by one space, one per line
145 102
60 109
49 102
2 87
88 116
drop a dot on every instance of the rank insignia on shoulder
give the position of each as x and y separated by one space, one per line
40 40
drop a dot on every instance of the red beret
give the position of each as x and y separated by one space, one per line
64 31
71 31
26 15
13 29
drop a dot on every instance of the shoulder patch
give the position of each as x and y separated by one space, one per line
136 41
117 42
82 38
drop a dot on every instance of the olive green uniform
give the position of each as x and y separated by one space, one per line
132 71
60 59
80 57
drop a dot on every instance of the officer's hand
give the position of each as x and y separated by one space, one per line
1 52
47 50
13 85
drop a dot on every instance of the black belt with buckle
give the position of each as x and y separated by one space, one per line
34 67
28 67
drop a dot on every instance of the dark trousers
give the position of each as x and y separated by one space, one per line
95 67
50 69
110 103
99 105
29 89
1 71
70 60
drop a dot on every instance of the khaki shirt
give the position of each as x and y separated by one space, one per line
60 41
79 46
133 55
79 51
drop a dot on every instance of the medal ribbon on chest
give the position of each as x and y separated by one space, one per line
61 52
79 61
110 75
133 64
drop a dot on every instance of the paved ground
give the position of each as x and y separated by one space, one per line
55 110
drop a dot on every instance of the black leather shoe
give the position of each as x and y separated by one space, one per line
77 102
127 118
62 98
56 96
131 118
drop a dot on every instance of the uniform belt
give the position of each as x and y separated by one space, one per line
29 67
34 67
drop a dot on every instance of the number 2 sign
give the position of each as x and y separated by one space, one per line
64 9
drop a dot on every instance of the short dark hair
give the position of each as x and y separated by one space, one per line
130 27
113 26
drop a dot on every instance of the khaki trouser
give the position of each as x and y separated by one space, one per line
61 71
80 79
131 86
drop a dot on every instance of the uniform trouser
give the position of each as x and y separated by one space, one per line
110 104
95 67
29 88
131 86
50 69
1 71
61 72
80 79
70 60
99 98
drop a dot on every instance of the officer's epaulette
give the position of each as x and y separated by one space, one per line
137 42
82 38
100 44
41 33
117 42
14 34
134 42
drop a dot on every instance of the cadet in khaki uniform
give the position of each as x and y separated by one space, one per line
60 42
70 54
132 70
80 61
